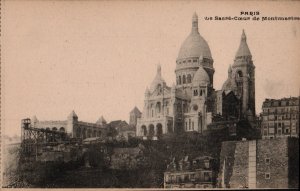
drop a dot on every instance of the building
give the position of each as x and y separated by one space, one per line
265 163
186 173
73 127
280 117
134 115
192 103
123 131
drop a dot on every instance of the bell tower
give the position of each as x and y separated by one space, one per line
243 72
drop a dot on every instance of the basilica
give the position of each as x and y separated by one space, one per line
192 104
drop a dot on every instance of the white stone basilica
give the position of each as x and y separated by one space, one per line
191 104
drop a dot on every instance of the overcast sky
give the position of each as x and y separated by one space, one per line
98 57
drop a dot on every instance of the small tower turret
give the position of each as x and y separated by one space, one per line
72 120
73 116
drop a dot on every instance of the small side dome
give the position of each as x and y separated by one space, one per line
201 77
226 85
229 85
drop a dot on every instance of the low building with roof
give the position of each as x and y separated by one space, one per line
123 131
190 173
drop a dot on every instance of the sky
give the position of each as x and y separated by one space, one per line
98 57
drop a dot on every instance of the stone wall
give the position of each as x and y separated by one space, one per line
239 178
293 169
277 163
276 152
227 154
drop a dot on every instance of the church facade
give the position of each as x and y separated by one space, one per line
192 103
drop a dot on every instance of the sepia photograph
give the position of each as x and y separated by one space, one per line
150 94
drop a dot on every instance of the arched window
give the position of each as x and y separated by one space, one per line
183 79
195 92
62 129
184 108
179 80
54 129
189 78
239 74
158 106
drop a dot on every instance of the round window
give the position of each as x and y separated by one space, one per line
195 107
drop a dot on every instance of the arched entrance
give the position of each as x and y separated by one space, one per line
159 129
144 130
151 130
170 128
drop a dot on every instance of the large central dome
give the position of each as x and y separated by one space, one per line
194 45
